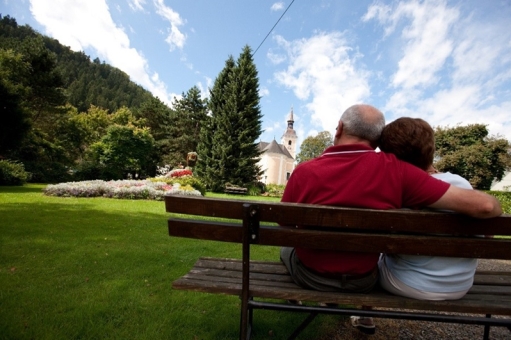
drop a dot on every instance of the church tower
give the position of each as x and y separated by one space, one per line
289 137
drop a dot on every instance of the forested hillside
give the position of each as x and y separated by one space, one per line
85 82
65 117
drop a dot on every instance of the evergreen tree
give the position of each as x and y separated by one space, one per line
235 126
210 166
189 115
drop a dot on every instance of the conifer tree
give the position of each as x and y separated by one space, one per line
229 149
210 166
189 113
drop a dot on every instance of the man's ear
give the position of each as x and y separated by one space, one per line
338 130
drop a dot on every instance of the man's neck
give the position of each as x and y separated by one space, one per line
347 140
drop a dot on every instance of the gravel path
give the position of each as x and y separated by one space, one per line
414 330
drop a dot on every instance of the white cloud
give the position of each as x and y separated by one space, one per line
312 133
278 6
428 44
88 24
136 5
175 37
275 58
204 89
263 91
453 65
323 71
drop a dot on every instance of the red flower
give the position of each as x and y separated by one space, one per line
181 173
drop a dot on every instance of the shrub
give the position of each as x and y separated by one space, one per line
256 189
48 172
275 190
194 182
504 198
12 173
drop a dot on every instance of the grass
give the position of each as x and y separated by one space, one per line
97 268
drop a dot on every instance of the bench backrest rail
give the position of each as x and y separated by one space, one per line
401 220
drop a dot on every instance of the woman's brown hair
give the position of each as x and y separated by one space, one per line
411 139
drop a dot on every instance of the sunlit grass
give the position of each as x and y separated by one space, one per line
97 268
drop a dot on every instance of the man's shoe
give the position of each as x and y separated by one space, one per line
363 324
295 302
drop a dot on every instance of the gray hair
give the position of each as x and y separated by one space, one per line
359 123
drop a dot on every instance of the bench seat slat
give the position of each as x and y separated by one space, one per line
232 279
235 264
237 275
481 299
503 279
492 290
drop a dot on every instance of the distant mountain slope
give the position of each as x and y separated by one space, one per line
86 82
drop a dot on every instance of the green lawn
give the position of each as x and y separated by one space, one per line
96 268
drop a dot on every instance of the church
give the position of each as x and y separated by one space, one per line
278 160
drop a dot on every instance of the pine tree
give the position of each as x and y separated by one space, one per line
228 148
209 167
188 117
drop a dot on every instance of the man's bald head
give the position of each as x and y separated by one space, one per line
363 122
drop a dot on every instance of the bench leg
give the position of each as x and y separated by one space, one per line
245 321
303 325
486 335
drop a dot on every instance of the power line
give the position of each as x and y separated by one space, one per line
272 28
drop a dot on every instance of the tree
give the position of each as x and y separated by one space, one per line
159 118
124 149
210 166
229 140
468 151
312 147
189 114
14 116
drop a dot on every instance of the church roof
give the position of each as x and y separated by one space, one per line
274 147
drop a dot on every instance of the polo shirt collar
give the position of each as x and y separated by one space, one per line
347 148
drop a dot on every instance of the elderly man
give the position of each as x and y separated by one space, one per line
351 174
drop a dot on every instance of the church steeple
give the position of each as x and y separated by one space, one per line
290 119
289 137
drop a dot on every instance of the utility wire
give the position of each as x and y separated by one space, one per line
272 28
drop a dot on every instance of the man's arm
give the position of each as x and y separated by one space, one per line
470 202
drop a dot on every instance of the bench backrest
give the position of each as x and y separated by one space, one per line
416 232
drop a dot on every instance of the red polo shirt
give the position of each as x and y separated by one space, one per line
357 176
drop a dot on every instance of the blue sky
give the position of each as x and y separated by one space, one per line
448 62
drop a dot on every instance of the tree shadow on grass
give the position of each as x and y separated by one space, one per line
21 189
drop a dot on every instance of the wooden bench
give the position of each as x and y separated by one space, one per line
347 229
235 190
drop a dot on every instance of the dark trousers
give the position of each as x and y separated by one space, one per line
305 278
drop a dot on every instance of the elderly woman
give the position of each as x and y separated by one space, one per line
422 277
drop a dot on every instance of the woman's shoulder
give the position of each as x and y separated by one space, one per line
453 179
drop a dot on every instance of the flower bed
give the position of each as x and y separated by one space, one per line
127 189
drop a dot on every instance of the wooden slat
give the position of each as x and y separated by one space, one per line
492 290
471 303
235 264
203 230
474 247
327 216
498 279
